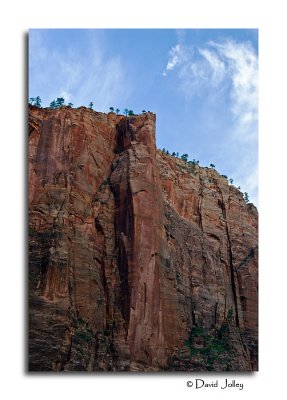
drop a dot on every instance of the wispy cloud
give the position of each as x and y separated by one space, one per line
228 72
242 65
216 66
96 76
176 57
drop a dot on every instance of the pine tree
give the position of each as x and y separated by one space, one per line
53 104
60 101
38 102
184 157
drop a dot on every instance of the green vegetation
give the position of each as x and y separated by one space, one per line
53 104
57 103
246 197
184 157
230 314
211 346
35 101
60 101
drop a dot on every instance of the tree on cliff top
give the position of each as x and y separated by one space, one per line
91 105
246 197
53 104
60 101
126 111
35 101
184 157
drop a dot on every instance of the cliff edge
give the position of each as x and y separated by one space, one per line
138 261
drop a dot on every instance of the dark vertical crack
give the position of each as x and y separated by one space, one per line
144 299
230 258
215 314
232 276
200 196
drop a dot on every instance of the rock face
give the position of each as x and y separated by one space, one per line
138 261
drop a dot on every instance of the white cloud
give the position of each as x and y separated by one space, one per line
225 72
243 71
66 95
216 65
176 56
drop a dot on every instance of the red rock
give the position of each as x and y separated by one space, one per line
130 249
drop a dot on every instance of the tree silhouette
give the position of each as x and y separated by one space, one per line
91 105
70 104
112 109
231 181
130 112
246 197
143 111
126 111
118 110
212 166
184 157
60 101
35 101
38 102
53 104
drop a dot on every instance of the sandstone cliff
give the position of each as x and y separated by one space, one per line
137 260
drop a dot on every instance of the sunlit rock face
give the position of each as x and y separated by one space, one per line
138 261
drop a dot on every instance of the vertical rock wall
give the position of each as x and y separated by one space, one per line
132 252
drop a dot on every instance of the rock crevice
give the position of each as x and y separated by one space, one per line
133 252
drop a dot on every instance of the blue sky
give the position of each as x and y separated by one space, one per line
201 83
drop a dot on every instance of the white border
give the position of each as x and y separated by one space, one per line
16 18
